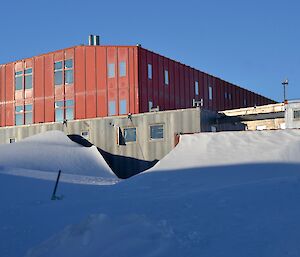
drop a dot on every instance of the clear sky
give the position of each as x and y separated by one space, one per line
254 44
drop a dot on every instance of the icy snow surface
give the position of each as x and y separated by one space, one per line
42 155
215 195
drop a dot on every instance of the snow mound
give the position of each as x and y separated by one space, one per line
49 152
230 148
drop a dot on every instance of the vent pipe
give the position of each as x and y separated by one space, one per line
94 40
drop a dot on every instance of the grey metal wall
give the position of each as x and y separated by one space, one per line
290 120
103 133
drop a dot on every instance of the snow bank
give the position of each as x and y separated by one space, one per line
245 205
230 148
49 152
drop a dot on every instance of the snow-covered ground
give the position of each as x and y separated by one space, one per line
215 194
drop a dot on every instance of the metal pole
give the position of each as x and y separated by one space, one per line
55 187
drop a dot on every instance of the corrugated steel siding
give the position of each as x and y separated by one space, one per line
181 91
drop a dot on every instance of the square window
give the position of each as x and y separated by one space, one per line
123 107
149 71
112 108
58 65
111 70
69 103
166 77
156 131
196 88
130 134
69 64
28 71
19 108
28 108
122 69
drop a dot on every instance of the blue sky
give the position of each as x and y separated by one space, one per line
254 44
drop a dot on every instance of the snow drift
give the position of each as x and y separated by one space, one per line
43 154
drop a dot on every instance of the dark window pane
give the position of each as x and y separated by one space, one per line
69 103
19 108
28 71
18 73
19 83
70 113
58 77
122 69
69 76
69 64
28 107
58 66
19 119
59 104
297 114
59 115
28 118
112 108
156 131
28 81
111 70
123 107
130 134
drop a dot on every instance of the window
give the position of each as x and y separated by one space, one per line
19 115
111 70
28 114
12 140
64 110
296 114
122 69
245 101
69 109
69 71
112 108
196 88
123 107
150 105
18 80
156 131
59 111
149 71
28 78
229 96
85 134
130 135
225 95
166 77
58 73
210 93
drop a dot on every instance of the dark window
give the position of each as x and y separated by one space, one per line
156 131
130 134
122 69
112 108
19 80
123 107
296 114
111 70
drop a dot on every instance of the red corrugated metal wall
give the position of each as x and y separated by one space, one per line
91 89
180 91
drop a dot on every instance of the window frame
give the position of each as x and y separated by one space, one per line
111 70
166 77
210 93
163 130
196 84
150 71
131 141
122 69
296 111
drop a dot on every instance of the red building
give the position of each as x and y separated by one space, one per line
96 81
